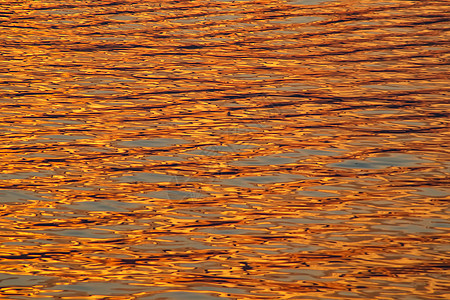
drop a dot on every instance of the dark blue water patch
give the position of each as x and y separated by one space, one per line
163 158
433 192
19 196
302 153
264 161
102 205
63 121
308 2
298 19
405 228
392 86
24 175
311 220
31 242
380 112
438 223
104 288
317 194
219 289
182 296
302 274
15 280
174 243
174 195
254 181
203 153
118 228
381 162
227 231
157 142
155 178
61 138
90 233
228 148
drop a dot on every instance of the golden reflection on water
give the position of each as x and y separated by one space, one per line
224 149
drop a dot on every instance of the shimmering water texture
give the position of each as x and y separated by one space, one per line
224 149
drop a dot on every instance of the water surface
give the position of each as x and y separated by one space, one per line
224 149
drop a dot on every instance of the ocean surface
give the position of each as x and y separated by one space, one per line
213 149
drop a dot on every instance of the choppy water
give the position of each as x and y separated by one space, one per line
224 149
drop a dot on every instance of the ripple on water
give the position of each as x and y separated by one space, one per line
259 181
8 280
224 149
174 195
382 161
157 142
11 196
102 205
155 178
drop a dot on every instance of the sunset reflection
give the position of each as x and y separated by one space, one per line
220 149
